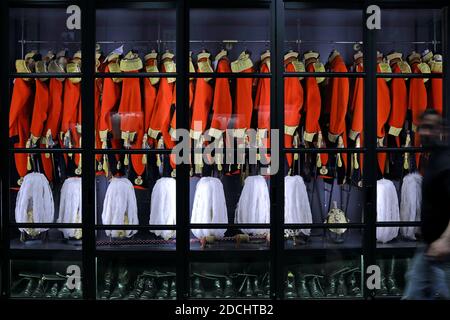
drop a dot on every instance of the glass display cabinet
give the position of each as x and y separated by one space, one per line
297 128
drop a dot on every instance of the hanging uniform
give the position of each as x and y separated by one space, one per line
99 67
399 95
244 99
201 106
436 84
71 118
111 94
222 103
357 108
159 124
52 126
383 108
293 102
313 107
337 107
262 105
150 92
131 115
19 116
417 95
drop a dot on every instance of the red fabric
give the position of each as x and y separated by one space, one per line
244 101
293 103
383 111
202 103
110 102
40 108
399 99
222 104
19 120
150 92
313 102
338 99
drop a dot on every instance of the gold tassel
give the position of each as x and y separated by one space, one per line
126 161
29 163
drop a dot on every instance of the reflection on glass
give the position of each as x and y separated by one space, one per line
316 278
136 280
46 280
230 280
393 269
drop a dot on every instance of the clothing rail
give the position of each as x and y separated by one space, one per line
225 41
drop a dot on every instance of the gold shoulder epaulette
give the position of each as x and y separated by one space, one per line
424 68
131 65
205 67
404 67
319 67
241 64
22 67
153 69
73 68
41 67
385 68
114 67
170 67
436 66
298 66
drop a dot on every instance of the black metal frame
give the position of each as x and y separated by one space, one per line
278 256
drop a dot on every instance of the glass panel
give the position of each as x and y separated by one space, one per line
321 238
233 31
323 30
331 277
44 112
393 271
49 193
323 194
135 280
227 200
123 198
43 279
230 280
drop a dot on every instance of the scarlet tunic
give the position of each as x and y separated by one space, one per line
399 99
244 101
337 103
203 97
293 103
150 92
313 103
222 103
383 110
19 120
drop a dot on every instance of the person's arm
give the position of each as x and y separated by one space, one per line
441 247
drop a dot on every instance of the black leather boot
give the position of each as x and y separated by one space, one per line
173 290
39 291
163 292
29 288
314 288
64 293
197 289
331 290
78 292
341 287
267 287
229 291
391 283
258 291
138 288
149 289
290 291
53 292
122 285
303 292
353 286
217 291
248 291
107 285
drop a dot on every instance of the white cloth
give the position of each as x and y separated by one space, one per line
120 202
35 196
209 206
410 203
296 202
70 205
163 209
254 204
387 210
